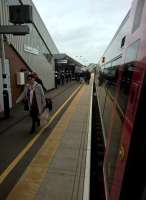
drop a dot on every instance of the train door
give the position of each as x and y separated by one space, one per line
127 148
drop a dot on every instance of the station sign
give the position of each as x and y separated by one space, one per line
31 50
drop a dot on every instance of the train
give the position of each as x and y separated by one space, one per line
120 84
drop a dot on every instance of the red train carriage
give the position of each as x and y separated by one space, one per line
121 91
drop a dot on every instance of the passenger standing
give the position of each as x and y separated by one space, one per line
82 77
87 76
34 93
69 76
56 79
62 78
66 76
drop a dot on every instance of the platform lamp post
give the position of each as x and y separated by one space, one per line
18 15
4 77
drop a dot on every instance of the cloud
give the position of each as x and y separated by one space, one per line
82 27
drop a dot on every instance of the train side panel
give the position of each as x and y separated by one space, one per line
121 88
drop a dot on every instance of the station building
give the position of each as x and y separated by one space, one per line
31 52
65 63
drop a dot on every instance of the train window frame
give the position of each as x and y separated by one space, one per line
138 15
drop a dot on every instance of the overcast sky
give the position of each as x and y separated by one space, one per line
82 28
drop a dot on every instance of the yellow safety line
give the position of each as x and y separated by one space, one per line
28 185
30 144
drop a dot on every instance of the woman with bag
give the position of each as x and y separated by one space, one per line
34 94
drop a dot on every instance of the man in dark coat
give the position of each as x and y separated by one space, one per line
38 80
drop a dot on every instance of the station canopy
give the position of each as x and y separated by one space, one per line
67 62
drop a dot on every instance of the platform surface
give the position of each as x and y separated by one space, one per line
57 172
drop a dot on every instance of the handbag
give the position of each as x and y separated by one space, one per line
44 117
49 103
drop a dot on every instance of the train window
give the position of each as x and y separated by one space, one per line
132 50
103 60
111 79
123 41
125 87
110 91
138 15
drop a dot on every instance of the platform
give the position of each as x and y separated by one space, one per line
60 169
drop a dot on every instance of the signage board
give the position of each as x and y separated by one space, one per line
62 61
31 50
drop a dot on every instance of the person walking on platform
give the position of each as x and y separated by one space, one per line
69 76
34 95
56 78
38 80
82 77
62 78
87 76
66 76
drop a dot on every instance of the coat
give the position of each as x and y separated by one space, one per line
40 97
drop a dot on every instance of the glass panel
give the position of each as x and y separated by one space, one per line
125 87
121 103
110 75
111 79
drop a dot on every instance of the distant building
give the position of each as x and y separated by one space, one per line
63 62
92 66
